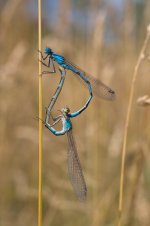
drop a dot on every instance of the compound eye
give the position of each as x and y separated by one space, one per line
67 110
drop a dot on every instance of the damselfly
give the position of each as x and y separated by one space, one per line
98 88
74 166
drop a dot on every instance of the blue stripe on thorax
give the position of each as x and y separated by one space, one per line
58 58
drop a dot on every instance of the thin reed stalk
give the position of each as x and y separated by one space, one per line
40 116
129 107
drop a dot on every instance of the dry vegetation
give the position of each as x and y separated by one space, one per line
98 131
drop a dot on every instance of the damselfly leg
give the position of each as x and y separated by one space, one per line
50 64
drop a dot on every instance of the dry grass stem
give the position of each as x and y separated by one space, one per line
40 116
129 107
143 101
135 174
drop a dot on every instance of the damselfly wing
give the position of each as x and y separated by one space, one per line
98 87
75 169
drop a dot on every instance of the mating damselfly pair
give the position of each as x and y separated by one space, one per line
94 86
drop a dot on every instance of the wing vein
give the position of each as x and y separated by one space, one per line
75 169
98 87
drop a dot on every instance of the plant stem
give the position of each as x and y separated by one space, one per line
129 107
40 117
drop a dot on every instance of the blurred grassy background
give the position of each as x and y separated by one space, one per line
104 40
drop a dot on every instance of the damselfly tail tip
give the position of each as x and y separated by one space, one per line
113 94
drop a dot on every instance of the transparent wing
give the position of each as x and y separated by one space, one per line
99 88
75 170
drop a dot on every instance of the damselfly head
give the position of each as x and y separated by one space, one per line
48 51
65 110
